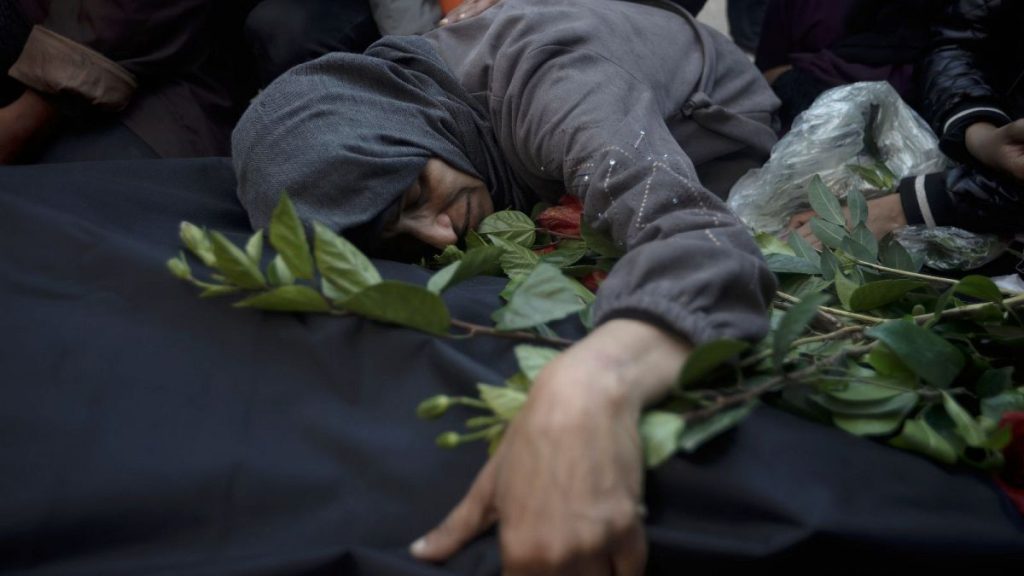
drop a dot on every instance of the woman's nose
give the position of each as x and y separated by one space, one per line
440 233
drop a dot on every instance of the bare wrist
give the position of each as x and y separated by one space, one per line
626 362
976 138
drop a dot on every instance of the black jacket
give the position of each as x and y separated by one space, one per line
975 72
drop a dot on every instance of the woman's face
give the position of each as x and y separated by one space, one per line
441 206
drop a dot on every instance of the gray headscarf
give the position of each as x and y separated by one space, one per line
346 134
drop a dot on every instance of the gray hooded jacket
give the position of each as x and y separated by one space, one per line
638 110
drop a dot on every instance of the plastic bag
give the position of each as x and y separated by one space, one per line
860 136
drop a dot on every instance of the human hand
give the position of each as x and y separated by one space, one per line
23 123
885 214
565 485
998 148
467 9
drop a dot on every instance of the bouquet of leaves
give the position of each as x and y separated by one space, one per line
860 338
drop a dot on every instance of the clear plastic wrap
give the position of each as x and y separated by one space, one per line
868 125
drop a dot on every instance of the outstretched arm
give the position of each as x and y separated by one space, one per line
565 485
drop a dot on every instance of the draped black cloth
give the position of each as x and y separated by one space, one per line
146 431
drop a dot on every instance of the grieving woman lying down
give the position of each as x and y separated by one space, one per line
637 110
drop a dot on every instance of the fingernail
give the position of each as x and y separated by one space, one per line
419 547
461 16
443 21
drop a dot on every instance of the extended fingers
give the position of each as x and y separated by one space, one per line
474 514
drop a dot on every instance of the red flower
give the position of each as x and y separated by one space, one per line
1011 480
564 218
594 279
545 250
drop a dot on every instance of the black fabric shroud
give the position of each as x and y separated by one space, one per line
146 431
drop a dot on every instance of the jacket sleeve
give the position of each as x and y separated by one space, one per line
93 52
956 92
55 65
966 197
690 265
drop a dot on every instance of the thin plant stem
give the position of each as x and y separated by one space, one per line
835 311
906 273
523 336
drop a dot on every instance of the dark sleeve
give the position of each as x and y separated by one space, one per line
965 197
690 264
96 52
956 91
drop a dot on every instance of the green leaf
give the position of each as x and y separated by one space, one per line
179 267
994 407
966 426
825 203
511 286
235 264
994 382
402 304
866 392
918 436
869 175
342 264
214 290
254 247
930 356
873 426
877 294
474 240
785 264
858 208
888 177
476 262
770 244
198 242
288 237
829 234
515 260
287 299
856 250
505 402
845 287
532 359
545 295
660 433
829 266
899 404
278 272
706 357
888 364
980 287
600 243
568 253
451 253
519 381
695 435
803 249
510 225
866 239
893 255
792 325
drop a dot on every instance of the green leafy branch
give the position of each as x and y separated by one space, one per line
860 338
331 276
